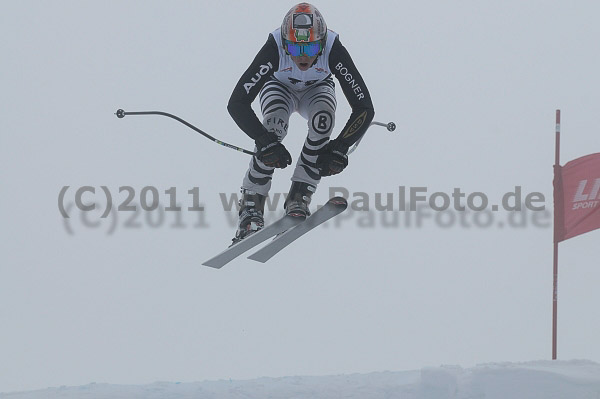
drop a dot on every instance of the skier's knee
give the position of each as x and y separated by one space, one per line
277 122
322 121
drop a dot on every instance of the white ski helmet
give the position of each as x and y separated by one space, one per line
303 24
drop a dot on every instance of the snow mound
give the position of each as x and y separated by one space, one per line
542 379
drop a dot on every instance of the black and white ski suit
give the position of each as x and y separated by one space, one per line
283 88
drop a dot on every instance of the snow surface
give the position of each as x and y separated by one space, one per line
578 379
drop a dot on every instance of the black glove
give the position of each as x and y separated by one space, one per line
271 152
333 158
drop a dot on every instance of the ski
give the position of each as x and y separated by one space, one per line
333 207
279 226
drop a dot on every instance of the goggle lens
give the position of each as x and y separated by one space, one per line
308 49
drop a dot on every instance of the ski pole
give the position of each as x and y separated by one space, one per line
391 126
121 114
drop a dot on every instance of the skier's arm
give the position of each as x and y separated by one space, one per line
356 93
264 65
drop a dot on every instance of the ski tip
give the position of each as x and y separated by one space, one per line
210 264
258 258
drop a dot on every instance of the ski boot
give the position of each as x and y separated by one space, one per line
251 213
298 199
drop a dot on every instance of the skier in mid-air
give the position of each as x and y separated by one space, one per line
292 72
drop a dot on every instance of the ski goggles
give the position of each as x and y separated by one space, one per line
296 49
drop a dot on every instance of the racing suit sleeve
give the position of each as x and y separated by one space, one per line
356 92
247 88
